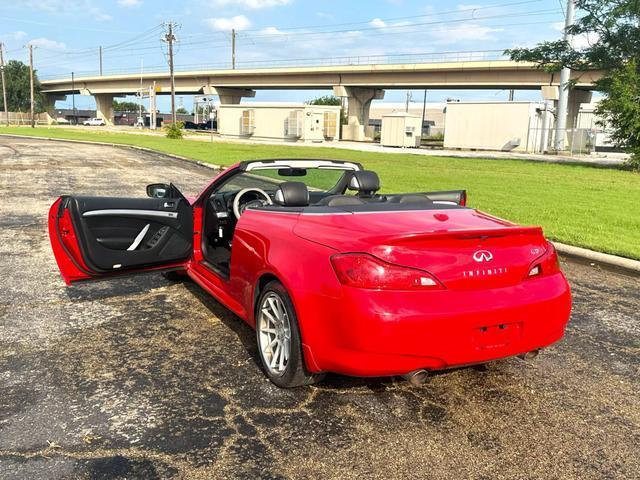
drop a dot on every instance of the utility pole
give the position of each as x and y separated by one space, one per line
4 88
73 98
424 111
511 94
565 76
100 60
170 38
233 48
406 107
33 118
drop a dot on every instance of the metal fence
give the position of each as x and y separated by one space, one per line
408 58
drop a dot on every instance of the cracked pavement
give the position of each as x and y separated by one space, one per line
143 378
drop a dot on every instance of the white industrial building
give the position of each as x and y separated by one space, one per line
507 126
287 122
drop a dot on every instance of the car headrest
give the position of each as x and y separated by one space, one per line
292 194
365 181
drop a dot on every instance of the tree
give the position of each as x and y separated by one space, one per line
127 106
326 100
182 111
18 89
330 100
611 29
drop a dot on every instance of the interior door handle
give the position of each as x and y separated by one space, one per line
139 238
169 204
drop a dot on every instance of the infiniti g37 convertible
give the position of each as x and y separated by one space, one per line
333 276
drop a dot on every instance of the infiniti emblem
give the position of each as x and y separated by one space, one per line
483 256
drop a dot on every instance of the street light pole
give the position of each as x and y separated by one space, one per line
424 111
73 98
565 77
170 38
233 48
4 87
33 118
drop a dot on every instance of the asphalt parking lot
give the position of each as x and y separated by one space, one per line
143 378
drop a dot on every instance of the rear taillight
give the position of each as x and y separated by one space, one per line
366 271
547 264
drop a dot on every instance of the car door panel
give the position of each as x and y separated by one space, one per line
102 235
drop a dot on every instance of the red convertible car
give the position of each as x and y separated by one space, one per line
333 276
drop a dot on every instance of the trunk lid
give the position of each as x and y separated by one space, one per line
464 248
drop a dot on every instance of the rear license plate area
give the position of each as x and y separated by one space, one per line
496 336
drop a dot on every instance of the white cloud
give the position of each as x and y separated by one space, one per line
129 3
463 6
48 44
86 7
584 40
102 17
251 4
239 22
271 31
17 35
379 23
49 5
558 26
463 33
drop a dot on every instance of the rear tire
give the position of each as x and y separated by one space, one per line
278 339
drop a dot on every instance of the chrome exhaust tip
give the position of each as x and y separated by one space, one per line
529 355
416 377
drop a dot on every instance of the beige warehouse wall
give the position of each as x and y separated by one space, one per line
488 125
433 113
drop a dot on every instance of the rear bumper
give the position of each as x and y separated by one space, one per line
372 333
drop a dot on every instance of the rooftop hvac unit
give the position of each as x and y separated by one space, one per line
294 123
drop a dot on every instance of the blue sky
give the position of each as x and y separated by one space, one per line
67 34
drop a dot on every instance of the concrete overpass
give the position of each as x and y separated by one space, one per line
359 83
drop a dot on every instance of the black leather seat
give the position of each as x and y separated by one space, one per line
366 183
292 194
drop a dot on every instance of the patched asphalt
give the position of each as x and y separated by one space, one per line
144 378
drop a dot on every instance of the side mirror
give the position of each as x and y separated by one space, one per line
158 190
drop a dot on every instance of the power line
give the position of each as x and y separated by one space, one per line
71 27
432 14
437 22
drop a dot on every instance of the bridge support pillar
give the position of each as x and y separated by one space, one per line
359 103
228 96
104 107
576 97
50 106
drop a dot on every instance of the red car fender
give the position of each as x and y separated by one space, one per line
266 247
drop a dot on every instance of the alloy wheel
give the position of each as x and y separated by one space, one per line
274 332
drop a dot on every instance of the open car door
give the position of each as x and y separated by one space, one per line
98 237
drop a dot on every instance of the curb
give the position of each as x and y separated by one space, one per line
119 145
611 261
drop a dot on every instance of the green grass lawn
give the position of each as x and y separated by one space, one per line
589 207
